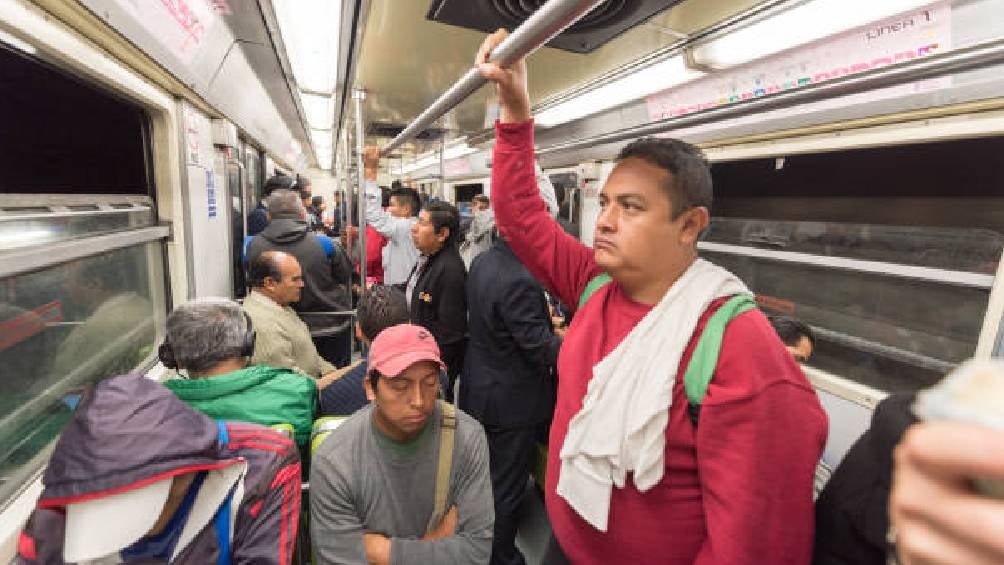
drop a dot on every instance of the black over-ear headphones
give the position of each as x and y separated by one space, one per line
166 353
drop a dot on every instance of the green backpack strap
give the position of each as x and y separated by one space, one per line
592 286
705 358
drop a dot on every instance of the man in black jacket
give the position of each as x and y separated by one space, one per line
327 273
508 383
435 287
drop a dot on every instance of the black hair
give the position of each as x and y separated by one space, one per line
379 308
384 196
408 197
265 265
277 182
316 201
481 198
689 183
302 184
445 215
374 379
791 330
396 185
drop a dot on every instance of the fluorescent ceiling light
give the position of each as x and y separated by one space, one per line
324 160
802 24
309 31
17 43
639 84
320 110
321 140
432 158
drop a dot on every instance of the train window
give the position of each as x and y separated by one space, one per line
27 221
466 192
65 327
49 145
888 253
82 278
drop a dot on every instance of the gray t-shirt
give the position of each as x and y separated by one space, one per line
359 484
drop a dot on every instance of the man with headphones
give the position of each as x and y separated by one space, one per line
210 341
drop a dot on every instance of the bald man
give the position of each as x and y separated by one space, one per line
283 339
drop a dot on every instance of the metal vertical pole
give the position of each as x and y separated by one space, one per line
442 167
358 96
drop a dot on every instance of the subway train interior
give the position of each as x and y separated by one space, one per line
856 150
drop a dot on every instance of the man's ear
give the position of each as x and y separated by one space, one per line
368 388
695 220
443 235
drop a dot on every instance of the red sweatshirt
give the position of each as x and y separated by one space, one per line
736 490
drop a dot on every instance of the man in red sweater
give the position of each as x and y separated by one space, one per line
736 483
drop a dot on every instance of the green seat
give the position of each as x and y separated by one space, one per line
322 428
285 429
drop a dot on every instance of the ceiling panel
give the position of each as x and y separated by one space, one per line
406 61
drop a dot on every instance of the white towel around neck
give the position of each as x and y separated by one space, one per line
621 427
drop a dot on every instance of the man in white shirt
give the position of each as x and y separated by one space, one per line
395 224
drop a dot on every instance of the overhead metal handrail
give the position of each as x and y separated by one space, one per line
958 60
548 21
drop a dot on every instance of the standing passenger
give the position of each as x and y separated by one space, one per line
258 218
394 223
480 234
640 471
797 337
406 479
435 287
327 272
508 385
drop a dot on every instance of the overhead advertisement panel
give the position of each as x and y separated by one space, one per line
916 34
181 26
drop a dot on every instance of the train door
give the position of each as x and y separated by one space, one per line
208 214
566 190
238 219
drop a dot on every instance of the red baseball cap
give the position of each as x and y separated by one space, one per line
401 346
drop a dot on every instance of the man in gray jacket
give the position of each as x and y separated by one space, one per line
406 479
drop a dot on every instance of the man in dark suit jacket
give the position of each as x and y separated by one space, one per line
508 384
435 287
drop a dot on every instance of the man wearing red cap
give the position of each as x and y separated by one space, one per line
405 479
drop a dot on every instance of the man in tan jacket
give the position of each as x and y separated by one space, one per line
283 339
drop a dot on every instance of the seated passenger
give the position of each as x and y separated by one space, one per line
935 475
283 339
405 480
852 513
138 476
211 340
325 267
379 308
797 336
670 444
